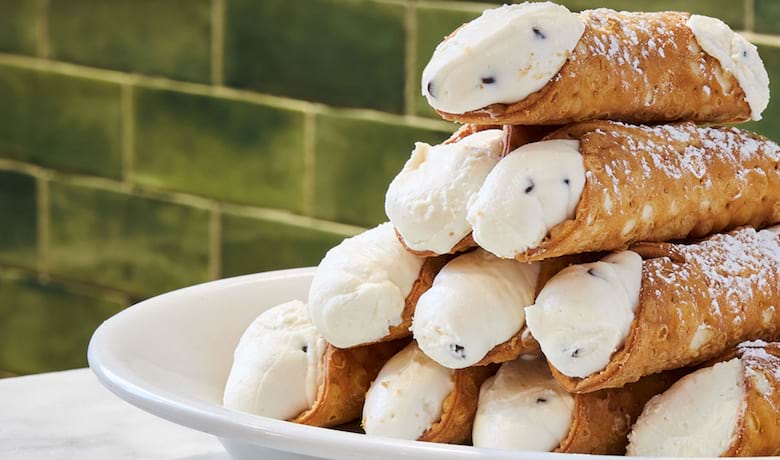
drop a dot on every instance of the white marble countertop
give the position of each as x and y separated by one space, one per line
69 415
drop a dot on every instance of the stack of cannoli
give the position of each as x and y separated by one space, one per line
589 264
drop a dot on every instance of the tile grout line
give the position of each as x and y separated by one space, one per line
43 209
215 243
112 185
42 29
145 81
410 59
750 15
309 162
217 41
127 104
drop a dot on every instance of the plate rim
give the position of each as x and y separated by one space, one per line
262 431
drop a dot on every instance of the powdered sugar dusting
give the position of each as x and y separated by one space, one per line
740 264
755 356
620 48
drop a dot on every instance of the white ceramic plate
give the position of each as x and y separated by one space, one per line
171 355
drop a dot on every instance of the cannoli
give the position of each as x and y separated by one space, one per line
426 201
284 369
365 289
523 408
473 314
728 409
539 63
658 306
602 185
415 398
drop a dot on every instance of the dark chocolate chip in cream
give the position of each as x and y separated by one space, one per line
538 33
458 350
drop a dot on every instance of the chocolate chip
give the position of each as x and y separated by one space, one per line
541 400
744 53
430 88
530 187
305 348
458 350
538 33
594 273
488 80
566 181
575 353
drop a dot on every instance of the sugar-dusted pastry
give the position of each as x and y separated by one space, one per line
426 202
539 63
366 288
656 307
728 409
284 369
523 408
603 185
415 398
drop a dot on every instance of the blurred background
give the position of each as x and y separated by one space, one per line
146 145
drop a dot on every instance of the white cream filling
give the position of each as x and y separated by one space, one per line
584 313
359 289
406 397
531 190
696 417
501 57
523 408
476 302
277 366
426 202
737 56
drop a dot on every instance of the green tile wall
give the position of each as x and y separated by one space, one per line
346 53
147 145
59 121
18 26
137 245
366 155
767 18
19 222
169 38
52 322
252 245
230 150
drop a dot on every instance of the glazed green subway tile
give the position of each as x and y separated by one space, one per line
138 245
19 222
169 38
46 327
433 24
251 245
356 160
767 16
60 121
17 26
341 52
229 150
770 123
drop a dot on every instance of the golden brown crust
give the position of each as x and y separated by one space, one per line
602 420
347 375
758 429
636 67
725 289
662 183
459 407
